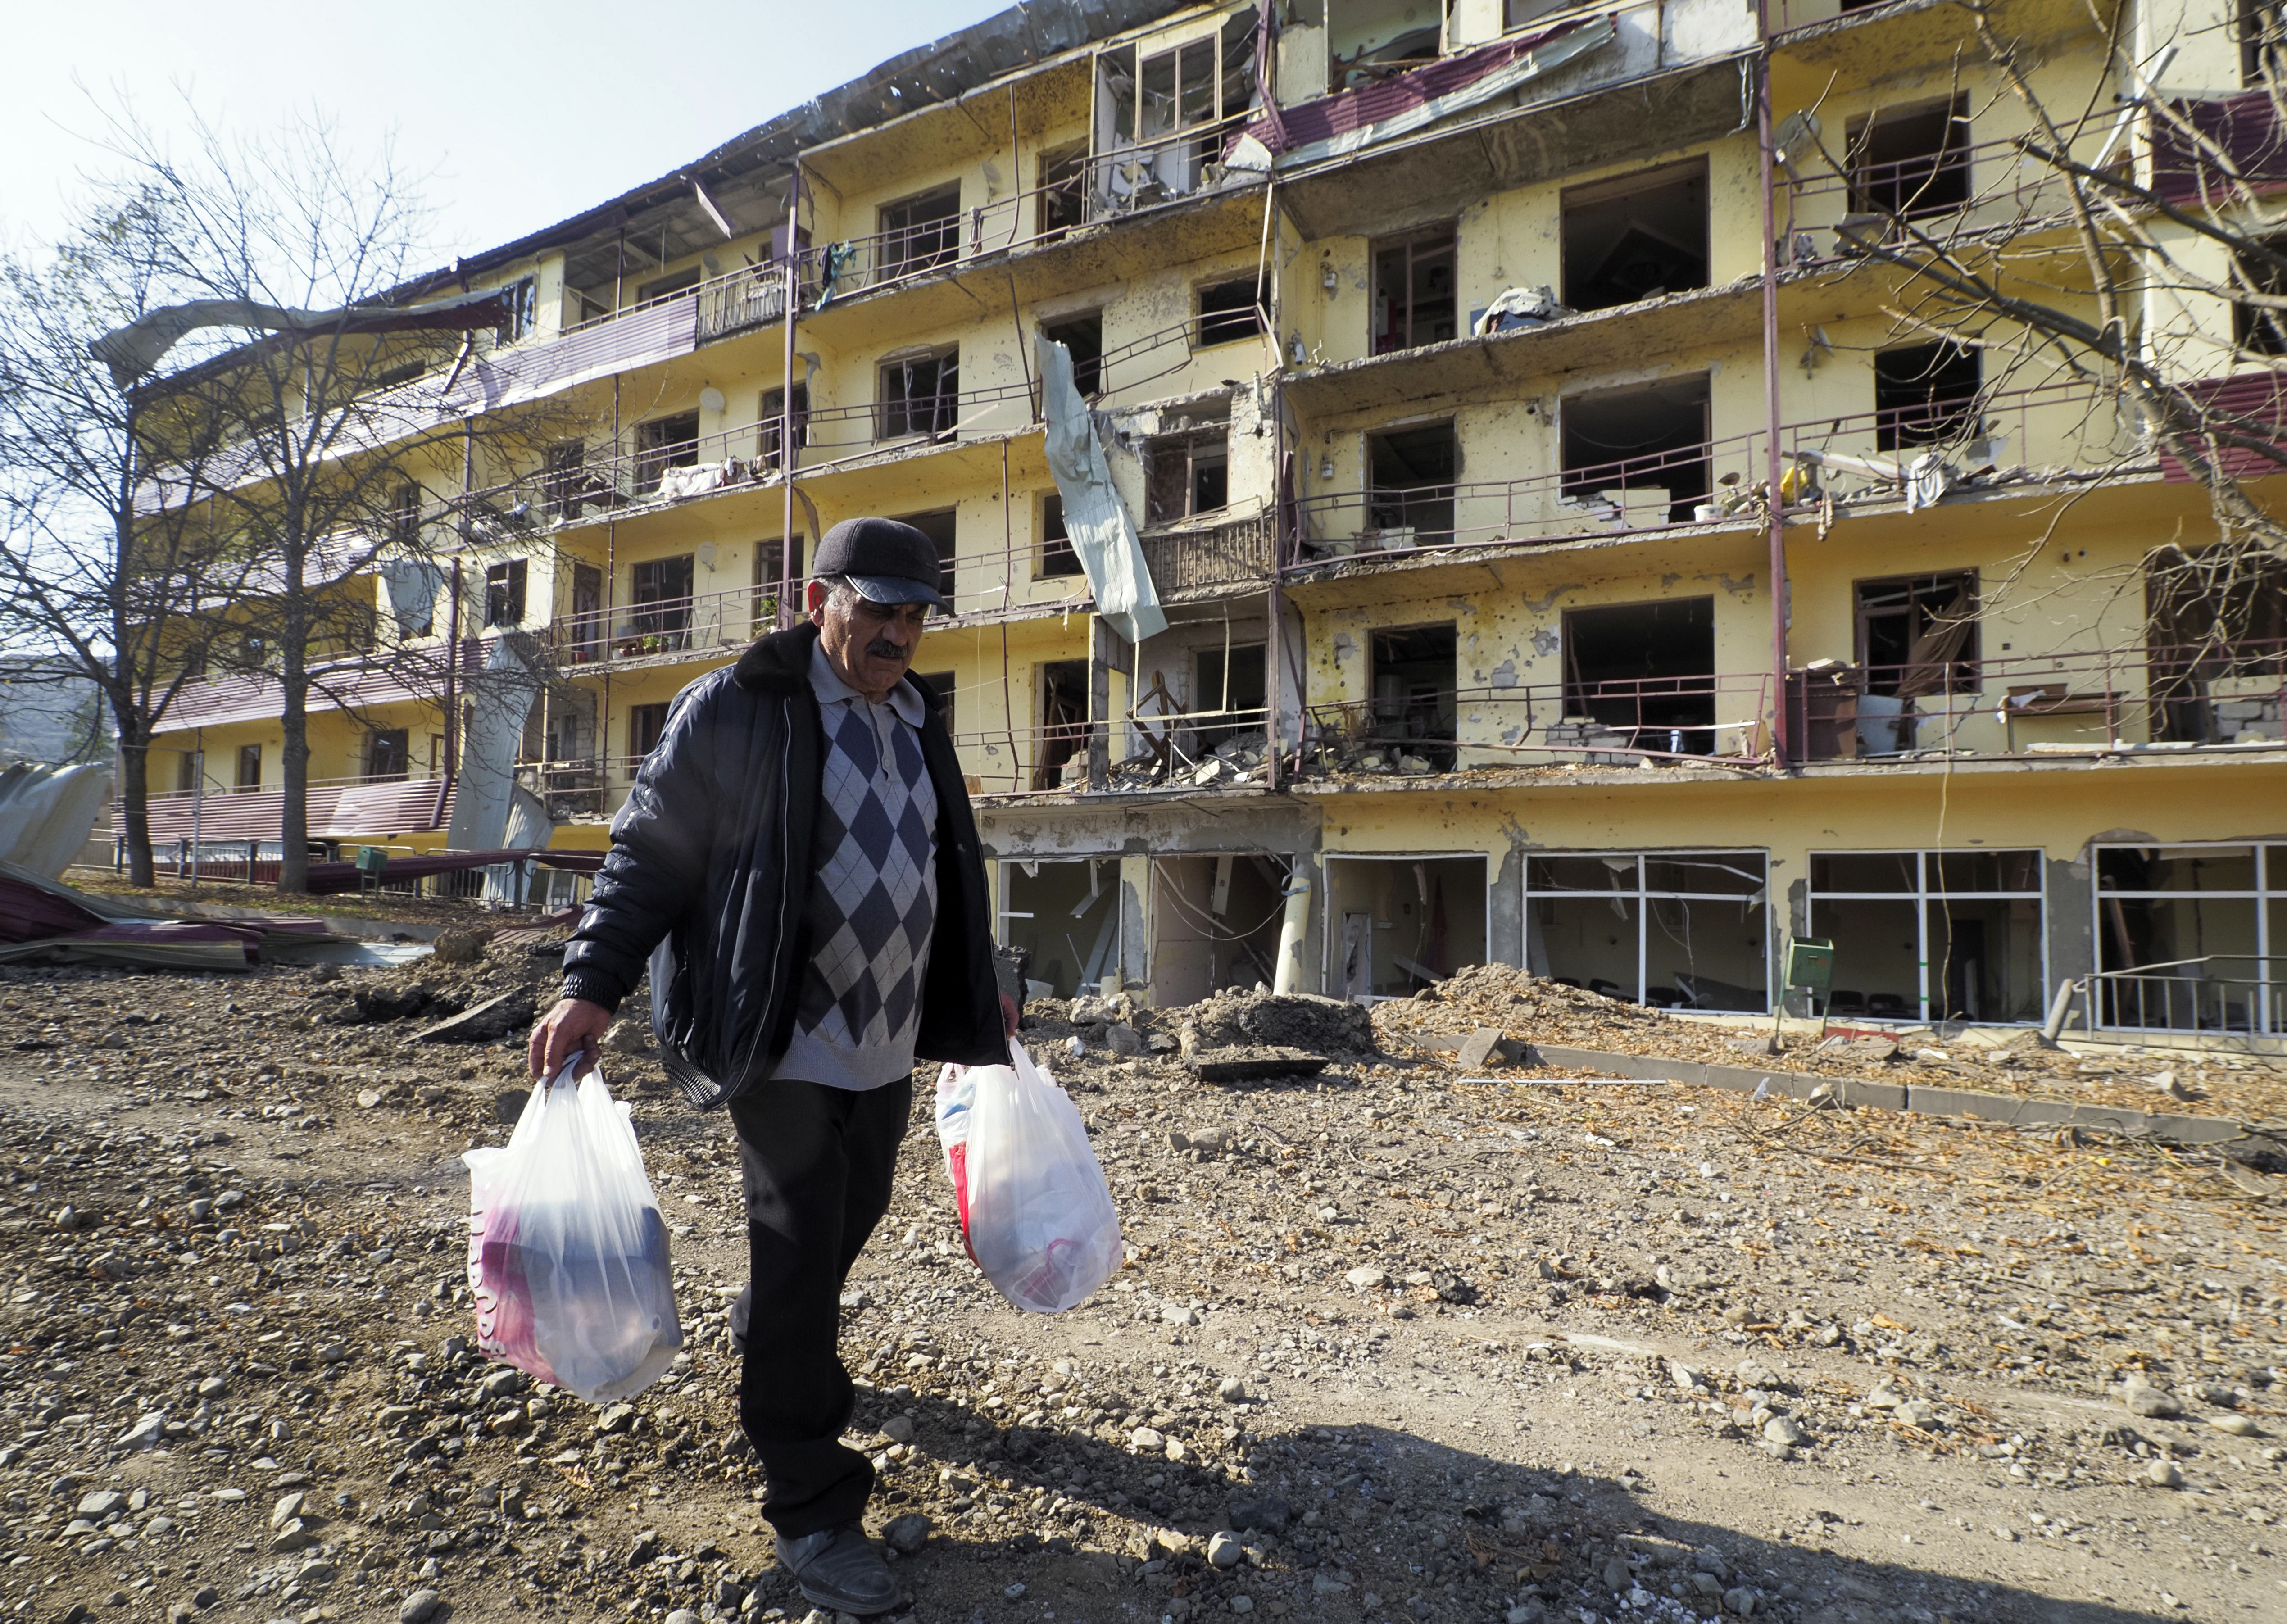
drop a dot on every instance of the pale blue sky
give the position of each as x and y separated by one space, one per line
520 115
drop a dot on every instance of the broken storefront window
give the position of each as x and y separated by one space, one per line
2192 939
1932 935
1674 929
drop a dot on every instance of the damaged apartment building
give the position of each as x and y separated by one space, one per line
1347 428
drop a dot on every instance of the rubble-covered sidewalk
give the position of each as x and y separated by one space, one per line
1403 1337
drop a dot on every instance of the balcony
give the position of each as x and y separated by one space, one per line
701 625
1192 557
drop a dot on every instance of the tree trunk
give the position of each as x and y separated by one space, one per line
293 679
135 798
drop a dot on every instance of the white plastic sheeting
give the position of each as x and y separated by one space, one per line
413 585
47 812
500 700
1096 521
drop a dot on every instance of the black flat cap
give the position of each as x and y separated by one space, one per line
888 562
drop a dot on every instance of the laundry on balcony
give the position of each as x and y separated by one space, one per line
1518 307
697 478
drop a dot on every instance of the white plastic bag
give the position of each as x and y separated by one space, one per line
1034 1209
567 1255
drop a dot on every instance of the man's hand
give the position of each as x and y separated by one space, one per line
1008 1013
573 1026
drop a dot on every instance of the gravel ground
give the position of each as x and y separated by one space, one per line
1390 1347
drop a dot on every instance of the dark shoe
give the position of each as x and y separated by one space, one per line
842 1569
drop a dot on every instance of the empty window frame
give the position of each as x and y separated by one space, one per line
387 756
1674 929
1638 454
919 232
773 420
584 635
1954 934
661 591
1167 100
1083 335
1233 687
1063 199
942 685
404 514
664 443
646 726
2262 44
1415 299
2207 927
1646 671
1916 635
1215 920
564 478
942 526
504 593
1926 394
1057 555
1068 919
771 581
1414 674
1186 475
249 766
1062 685
921 394
1410 476
1635 238
1906 162
1369 41
1232 311
2215 615
1396 924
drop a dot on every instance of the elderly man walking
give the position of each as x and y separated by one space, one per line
799 865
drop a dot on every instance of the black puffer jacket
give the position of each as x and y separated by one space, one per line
709 875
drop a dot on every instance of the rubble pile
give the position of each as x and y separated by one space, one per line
2250 1088
1392 1344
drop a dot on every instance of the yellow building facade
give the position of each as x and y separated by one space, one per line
1431 356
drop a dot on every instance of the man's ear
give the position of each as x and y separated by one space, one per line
813 598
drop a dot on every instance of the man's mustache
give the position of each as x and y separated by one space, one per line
882 648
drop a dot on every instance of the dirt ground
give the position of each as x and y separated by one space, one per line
1515 1351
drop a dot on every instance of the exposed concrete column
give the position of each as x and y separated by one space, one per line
1136 919
2067 885
1107 652
1505 910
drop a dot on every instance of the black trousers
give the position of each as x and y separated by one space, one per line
816 1164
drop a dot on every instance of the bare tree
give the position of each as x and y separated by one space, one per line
354 448
2130 248
109 563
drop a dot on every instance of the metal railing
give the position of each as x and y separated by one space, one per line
1229 553
696 622
2186 997
1677 719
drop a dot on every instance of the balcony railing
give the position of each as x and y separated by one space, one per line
1230 553
1711 716
668 626
2223 993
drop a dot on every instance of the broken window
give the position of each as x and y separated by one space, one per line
404 513
921 395
771 580
1063 202
1674 929
1083 335
2215 617
1635 238
1065 918
1150 97
1058 557
665 443
941 684
646 726
564 478
387 754
2207 924
521 299
1368 41
1232 311
1931 935
1214 925
586 630
249 766
1063 686
919 233
670 285
2262 44
1186 475
773 417
662 594
1638 456
2262 328
1404 923
1413 297
1917 635
1411 474
1925 394
1414 676
1235 688
1910 161
504 593
1644 675
941 526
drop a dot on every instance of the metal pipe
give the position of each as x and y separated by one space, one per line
1776 504
786 613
